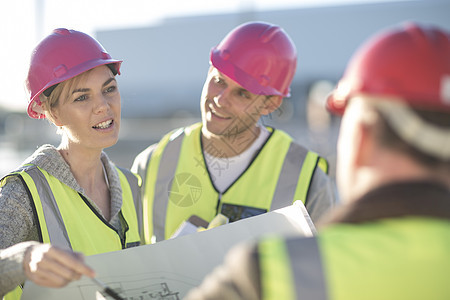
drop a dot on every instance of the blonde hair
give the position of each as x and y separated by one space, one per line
60 93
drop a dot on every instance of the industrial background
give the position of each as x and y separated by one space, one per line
165 65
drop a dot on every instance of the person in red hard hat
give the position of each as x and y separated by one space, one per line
71 198
229 164
390 239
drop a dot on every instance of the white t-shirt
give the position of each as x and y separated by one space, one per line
225 170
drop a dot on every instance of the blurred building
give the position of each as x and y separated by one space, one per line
165 65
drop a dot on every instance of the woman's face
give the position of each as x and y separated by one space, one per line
89 113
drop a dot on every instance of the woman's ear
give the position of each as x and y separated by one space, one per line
271 104
52 116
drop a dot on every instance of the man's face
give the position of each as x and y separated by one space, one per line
227 108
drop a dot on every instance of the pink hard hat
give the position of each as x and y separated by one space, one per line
62 55
259 56
411 63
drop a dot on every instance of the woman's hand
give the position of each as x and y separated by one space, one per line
51 266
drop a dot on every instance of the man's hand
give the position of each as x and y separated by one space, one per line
51 266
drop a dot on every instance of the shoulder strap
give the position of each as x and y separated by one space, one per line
135 182
276 273
305 262
53 229
147 164
164 175
131 211
312 161
291 269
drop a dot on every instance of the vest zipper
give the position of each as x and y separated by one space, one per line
218 203
125 228
86 201
122 240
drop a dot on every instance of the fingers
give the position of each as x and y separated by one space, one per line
50 266
74 261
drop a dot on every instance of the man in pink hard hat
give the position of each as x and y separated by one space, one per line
229 164
391 237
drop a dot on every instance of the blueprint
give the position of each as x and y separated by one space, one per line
169 269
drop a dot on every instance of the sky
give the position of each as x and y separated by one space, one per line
23 23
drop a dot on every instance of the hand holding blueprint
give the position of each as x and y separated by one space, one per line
169 269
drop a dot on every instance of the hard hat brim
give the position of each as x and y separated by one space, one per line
336 106
86 66
241 77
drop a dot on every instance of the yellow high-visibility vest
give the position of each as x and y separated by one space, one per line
404 258
178 184
75 224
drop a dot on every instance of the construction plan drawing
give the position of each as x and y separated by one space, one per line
167 270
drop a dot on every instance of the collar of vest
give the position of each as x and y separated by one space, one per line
413 198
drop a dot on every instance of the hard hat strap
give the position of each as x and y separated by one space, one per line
48 91
426 137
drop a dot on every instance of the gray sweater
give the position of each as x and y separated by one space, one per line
17 222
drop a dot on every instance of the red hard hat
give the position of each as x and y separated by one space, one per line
411 63
259 56
62 55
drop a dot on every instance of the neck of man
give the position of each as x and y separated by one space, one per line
229 145
388 167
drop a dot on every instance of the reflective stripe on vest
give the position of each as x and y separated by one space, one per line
59 224
155 176
131 182
55 233
276 274
164 177
291 269
275 169
285 191
129 214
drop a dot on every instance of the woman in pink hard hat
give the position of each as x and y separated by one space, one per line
232 164
70 196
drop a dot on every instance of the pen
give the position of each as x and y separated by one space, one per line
107 290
